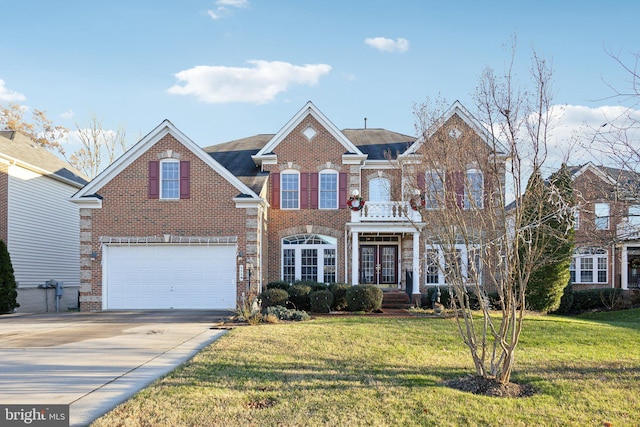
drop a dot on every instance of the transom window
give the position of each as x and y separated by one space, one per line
309 257
474 189
589 265
328 190
169 179
290 190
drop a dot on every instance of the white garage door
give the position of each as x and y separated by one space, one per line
169 276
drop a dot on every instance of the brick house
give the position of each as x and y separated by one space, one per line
38 223
607 235
174 225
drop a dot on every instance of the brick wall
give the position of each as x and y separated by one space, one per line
127 211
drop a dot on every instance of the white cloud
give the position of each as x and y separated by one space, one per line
8 95
388 45
257 85
223 8
68 114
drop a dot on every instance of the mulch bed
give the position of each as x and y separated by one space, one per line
490 387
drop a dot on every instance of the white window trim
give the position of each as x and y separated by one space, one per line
464 255
607 216
467 202
162 163
576 266
320 257
337 188
282 190
439 198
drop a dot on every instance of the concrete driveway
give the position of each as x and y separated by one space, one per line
94 361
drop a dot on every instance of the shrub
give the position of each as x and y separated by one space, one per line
321 301
445 299
284 313
299 296
591 299
274 296
315 286
279 284
249 311
8 292
339 291
566 301
364 298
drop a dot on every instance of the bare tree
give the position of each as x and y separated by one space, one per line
99 148
479 242
41 129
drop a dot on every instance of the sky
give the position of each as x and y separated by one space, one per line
222 70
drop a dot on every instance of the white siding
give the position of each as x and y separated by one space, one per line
44 229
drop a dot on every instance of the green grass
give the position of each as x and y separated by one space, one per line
373 371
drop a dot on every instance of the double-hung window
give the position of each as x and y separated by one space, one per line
474 190
602 216
170 179
309 257
434 190
589 265
634 215
290 190
328 191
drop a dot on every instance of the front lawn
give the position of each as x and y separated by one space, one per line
376 371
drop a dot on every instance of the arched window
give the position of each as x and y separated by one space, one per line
379 190
309 257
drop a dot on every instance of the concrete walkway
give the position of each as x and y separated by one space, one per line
94 361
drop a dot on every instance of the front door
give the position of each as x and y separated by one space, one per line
379 265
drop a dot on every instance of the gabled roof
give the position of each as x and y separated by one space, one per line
458 109
599 171
22 150
165 128
308 109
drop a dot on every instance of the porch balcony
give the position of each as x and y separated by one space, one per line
386 212
627 231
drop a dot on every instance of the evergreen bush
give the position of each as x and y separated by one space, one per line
284 313
339 291
321 301
8 287
279 284
299 296
364 298
274 296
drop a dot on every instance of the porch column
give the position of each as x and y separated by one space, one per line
355 265
416 268
624 269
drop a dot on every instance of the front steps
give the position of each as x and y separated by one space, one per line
395 300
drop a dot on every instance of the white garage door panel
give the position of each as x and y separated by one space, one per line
164 277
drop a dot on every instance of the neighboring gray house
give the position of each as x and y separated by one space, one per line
38 222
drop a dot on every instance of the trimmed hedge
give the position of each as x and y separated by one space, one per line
339 291
273 297
284 313
321 301
279 284
364 298
593 299
299 296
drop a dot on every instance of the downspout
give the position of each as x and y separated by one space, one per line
613 267
346 258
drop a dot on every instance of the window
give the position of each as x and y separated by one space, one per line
379 190
589 265
309 257
328 190
576 219
463 263
474 189
602 216
434 190
290 190
169 179
634 215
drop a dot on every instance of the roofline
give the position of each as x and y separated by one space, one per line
17 162
163 129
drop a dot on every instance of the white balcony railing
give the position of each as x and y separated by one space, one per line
627 231
386 212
